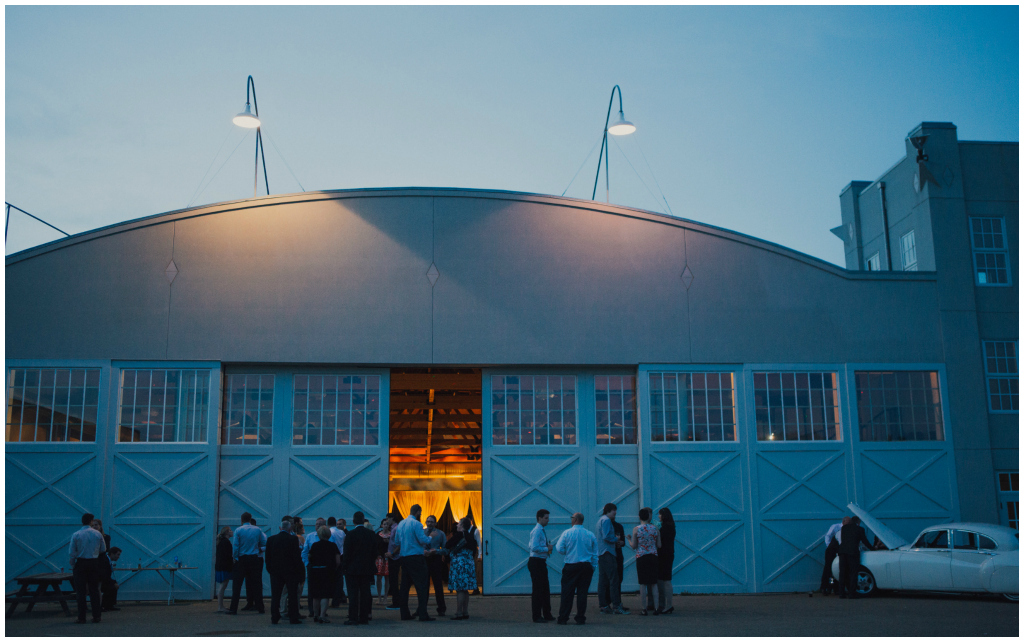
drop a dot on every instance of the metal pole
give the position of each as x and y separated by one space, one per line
604 146
32 216
260 148
7 224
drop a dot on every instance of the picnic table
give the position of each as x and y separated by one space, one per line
169 569
48 589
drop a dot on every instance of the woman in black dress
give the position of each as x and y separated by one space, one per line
666 559
323 560
223 565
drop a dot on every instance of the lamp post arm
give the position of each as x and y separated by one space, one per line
604 142
260 148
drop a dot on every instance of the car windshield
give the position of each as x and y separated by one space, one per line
933 539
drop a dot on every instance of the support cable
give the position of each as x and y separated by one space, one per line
276 149
208 183
9 206
581 167
636 172
637 141
212 161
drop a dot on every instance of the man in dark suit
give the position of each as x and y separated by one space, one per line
284 564
361 547
108 585
851 536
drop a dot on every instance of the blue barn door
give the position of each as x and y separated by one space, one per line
526 468
694 463
54 459
162 472
308 443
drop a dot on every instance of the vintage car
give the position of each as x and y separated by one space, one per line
958 557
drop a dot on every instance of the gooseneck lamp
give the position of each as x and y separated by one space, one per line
250 120
620 127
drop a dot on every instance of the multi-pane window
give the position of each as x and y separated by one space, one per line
159 405
796 406
899 406
1001 373
52 404
615 402
1009 489
908 252
873 264
248 409
988 240
336 410
533 409
692 406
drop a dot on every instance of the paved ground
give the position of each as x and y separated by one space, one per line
706 615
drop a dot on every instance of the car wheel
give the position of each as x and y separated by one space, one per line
1011 596
866 583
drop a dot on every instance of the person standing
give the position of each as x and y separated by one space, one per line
394 556
645 540
361 546
247 544
338 537
579 546
299 532
311 538
223 562
381 570
412 540
479 561
250 603
832 539
436 569
284 564
83 553
851 536
540 549
108 585
324 561
462 549
666 559
608 597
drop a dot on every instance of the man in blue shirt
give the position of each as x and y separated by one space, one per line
540 549
247 544
608 597
579 546
311 538
411 540
437 570
83 556
338 533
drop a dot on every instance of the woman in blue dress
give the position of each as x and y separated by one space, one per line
462 550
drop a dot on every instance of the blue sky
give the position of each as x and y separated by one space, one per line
752 119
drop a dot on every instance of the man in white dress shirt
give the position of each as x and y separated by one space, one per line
83 557
832 540
247 543
540 549
579 546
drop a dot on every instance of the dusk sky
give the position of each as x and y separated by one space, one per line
751 119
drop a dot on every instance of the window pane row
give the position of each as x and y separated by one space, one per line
615 405
988 240
796 406
164 405
527 409
899 406
336 410
52 404
692 406
248 411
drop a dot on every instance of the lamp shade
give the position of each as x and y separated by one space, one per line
246 119
621 127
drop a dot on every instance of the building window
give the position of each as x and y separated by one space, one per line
692 406
899 406
873 264
796 406
336 410
988 240
52 404
908 252
248 409
615 401
1009 499
164 405
1001 373
533 410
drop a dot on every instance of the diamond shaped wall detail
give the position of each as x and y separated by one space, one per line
171 271
432 274
686 276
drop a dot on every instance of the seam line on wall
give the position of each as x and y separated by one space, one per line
170 286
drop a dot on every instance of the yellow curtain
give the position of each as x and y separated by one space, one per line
460 503
434 504
476 500
406 498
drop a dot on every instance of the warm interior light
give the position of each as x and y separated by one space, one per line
621 127
247 120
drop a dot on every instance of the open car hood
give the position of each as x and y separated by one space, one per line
883 532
